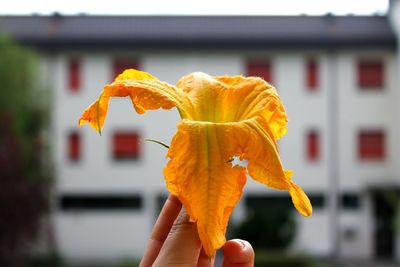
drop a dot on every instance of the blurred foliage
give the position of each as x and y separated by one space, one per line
49 260
393 197
269 227
263 258
24 180
56 261
281 259
128 263
21 97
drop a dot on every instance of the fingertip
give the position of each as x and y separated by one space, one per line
237 251
173 199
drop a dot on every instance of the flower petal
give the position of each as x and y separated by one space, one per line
233 99
300 200
145 92
222 117
255 142
200 174
95 114
252 97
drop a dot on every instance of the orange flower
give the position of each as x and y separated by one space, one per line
222 117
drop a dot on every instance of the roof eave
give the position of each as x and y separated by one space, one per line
207 43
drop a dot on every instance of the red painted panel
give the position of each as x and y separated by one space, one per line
312 75
261 69
126 145
313 145
74 75
74 143
371 145
122 64
371 74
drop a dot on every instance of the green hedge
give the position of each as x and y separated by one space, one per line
267 258
55 260
280 259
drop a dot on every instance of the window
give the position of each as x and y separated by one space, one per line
317 201
122 64
126 145
268 201
74 75
260 69
350 201
82 202
312 81
370 74
313 145
371 145
280 201
74 146
160 200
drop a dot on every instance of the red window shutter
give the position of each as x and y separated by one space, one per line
260 69
313 145
371 74
312 75
126 145
371 145
74 144
121 65
74 73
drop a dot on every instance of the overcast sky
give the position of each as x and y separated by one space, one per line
195 7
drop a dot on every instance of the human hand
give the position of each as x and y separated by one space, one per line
174 242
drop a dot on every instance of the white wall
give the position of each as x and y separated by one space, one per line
91 234
369 110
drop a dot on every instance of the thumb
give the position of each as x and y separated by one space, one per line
238 253
182 245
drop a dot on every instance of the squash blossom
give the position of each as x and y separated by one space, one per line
222 117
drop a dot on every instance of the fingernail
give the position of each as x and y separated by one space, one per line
241 242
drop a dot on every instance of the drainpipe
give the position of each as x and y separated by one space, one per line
333 193
394 19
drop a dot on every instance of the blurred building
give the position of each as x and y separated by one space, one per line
338 77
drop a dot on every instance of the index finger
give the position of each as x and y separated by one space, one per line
161 230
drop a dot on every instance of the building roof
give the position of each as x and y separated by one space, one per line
205 31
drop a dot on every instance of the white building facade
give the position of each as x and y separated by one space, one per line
338 78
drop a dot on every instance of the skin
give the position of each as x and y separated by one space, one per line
174 242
